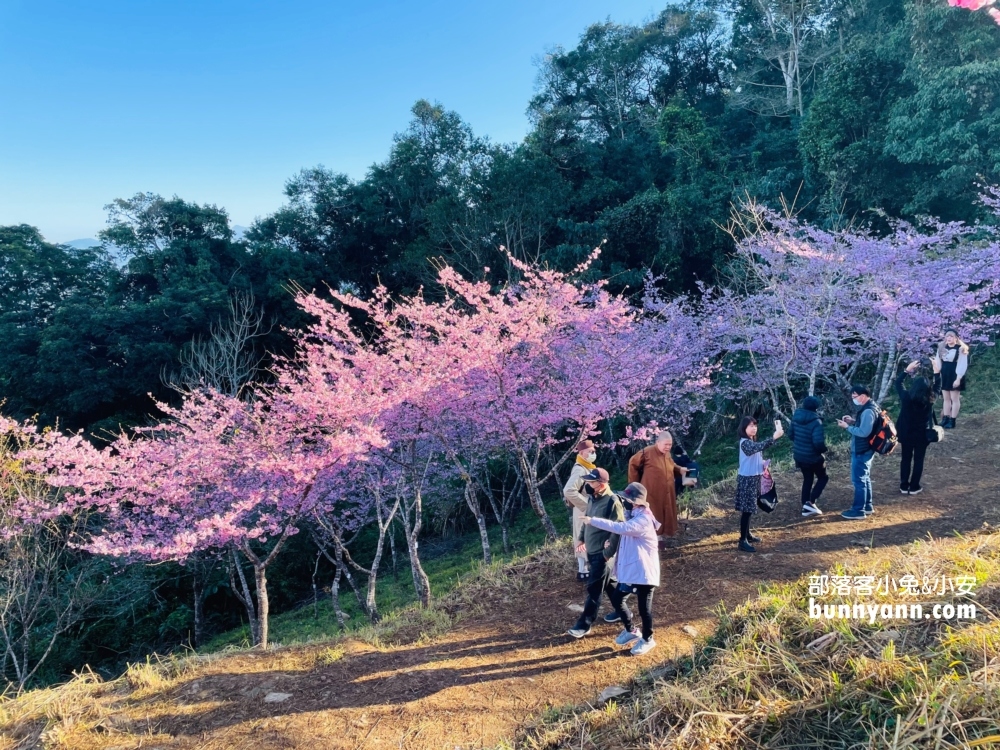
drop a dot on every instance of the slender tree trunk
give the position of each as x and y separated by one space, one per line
421 583
384 527
263 605
392 548
473 502
879 370
501 515
335 593
535 496
245 597
315 587
887 373
199 602
260 565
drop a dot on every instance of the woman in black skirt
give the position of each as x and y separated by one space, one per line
953 354
749 476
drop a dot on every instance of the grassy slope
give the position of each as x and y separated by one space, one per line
763 681
461 559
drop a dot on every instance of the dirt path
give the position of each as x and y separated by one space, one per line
474 686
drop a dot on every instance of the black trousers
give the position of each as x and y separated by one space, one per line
810 473
600 583
644 598
913 456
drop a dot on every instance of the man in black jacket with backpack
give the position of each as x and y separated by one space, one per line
808 446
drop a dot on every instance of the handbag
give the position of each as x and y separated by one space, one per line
935 433
768 498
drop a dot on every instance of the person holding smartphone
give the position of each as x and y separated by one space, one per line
749 476
862 453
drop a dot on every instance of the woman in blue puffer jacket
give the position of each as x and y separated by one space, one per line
637 566
808 446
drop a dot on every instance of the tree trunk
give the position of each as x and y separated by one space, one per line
421 583
392 548
335 593
244 596
315 587
384 527
199 602
263 605
887 373
473 502
535 497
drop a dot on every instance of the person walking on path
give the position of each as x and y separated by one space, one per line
861 428
577 499
953 354
750 472
655 469
916 408
637 566
600 546
808 446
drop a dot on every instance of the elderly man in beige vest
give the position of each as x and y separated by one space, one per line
575 498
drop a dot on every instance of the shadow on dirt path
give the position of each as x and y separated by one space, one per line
473 686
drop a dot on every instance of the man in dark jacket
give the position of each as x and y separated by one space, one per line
600 546
808 447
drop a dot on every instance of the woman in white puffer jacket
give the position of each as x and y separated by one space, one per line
637 565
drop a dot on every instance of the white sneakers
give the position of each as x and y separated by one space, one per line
810 510
578 632
643 647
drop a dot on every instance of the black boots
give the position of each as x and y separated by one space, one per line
745 546
948 423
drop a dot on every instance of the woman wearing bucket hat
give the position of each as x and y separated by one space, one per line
637 567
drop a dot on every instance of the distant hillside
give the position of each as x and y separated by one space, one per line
82 244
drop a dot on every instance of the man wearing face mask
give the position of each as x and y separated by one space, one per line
861 428
600 547
575 498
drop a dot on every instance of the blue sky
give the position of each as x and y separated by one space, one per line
221 102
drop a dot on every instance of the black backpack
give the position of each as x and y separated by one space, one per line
884 438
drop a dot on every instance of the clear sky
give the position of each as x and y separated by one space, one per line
221 102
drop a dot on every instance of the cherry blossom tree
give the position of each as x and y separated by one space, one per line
805 307
975 5
521 369
225 474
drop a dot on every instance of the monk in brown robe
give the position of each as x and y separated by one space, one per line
655 469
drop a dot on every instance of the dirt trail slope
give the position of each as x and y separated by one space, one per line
476 684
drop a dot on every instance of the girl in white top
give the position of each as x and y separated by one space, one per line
953 358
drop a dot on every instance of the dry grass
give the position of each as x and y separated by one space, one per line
87 712
756 683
